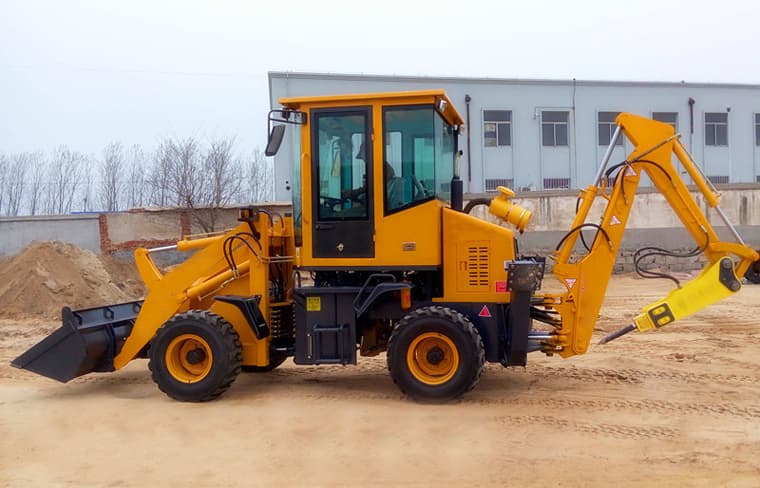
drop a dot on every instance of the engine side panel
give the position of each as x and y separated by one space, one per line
474 252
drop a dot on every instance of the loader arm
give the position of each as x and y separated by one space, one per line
586 280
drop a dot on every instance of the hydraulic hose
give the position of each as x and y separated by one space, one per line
474 203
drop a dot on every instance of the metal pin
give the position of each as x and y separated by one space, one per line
619 333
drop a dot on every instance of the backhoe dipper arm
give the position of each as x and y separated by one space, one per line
586 280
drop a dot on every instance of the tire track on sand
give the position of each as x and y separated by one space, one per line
608 430
636 376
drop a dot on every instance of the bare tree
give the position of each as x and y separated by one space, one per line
181 173
220 183
160 174
5 163
86 191
64 180
176 175
260 177
185 178
111 170
35 182
14 182
136 191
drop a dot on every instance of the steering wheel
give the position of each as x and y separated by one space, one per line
332 201
332 204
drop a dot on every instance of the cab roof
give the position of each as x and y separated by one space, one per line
449 112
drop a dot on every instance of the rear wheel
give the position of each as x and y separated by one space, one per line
195 356
753 273
435 353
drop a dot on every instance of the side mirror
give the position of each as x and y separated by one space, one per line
275 139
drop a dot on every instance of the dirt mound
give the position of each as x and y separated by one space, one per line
48 275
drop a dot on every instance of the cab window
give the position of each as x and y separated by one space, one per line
418 156
342 163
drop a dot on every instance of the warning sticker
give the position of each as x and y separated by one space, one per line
313 304
501 286
484 312
630 172
570 282
614 220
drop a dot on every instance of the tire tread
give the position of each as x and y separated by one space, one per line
232 347
454 317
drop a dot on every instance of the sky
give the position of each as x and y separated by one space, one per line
87 73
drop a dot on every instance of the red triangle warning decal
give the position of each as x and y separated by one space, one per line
484 312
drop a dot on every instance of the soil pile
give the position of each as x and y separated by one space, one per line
48 275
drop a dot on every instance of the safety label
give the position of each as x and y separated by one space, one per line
313 304
484 312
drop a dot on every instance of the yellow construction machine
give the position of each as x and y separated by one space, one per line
379 255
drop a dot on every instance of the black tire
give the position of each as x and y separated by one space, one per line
439 338
753 273
274 362
195 356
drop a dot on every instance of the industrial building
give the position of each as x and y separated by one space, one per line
536 135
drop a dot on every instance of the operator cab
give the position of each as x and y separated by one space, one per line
374 172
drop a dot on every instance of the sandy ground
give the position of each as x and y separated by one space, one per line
678 407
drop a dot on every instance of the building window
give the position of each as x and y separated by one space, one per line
554 128
606 128
718 180
716 129
757 129
497 127
493 183
556 183
670 118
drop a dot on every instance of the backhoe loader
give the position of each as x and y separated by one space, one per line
380 255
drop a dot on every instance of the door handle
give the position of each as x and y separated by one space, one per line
323 226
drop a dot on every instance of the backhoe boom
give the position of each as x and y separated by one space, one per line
586 280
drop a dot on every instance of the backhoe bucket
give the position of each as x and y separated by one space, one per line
87 342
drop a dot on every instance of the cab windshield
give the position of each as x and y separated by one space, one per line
418 156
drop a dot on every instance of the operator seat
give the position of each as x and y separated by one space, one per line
394 193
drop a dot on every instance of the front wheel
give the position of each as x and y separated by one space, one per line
195 356
435 354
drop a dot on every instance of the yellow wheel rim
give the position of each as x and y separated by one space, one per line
189 358
432 358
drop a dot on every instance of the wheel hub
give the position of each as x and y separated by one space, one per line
435 355
196 356
188 358
433 358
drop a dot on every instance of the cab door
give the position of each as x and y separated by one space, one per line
342 194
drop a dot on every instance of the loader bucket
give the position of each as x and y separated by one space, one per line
86 342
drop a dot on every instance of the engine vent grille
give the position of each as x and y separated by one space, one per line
478 264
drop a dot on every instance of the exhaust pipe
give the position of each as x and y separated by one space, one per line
86 342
